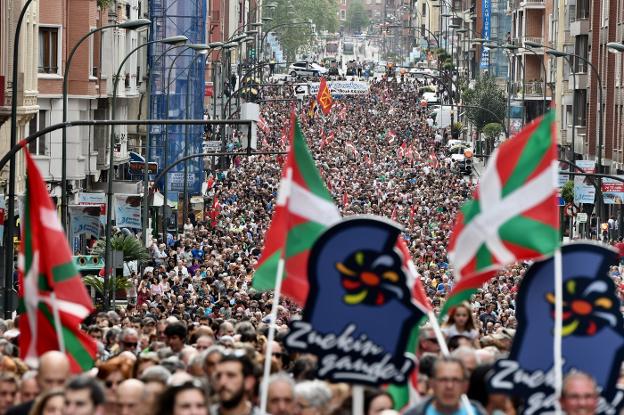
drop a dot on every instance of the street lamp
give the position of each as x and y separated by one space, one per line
145 206
129 25
173 40
558 53
197 48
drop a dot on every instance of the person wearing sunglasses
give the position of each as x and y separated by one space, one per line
129 340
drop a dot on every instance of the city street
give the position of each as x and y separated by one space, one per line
298 207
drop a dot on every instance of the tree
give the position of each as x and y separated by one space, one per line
491 131
357 17
322 13
567 191
485 103
133 249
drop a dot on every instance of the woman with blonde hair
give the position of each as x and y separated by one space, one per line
49 403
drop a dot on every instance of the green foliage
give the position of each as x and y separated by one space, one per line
457 126
485 103
492 130
97 283
104 4
133 249
567 191
357 17
323 13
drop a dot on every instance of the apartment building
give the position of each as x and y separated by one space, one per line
26 83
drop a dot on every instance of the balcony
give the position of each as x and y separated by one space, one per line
579 27
532 90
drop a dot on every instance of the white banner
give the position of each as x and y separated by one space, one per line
85 220
128 211
337 88
584 190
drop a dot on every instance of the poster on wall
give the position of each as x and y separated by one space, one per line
584 190
128 211
85 220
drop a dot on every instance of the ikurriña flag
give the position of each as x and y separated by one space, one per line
304 209
513 215
53 300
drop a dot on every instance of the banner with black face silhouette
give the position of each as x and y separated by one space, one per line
359 311
592 331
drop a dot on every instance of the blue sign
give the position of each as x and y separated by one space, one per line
487 14
357 279
592 323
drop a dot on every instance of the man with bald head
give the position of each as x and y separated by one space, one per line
54 370
131 395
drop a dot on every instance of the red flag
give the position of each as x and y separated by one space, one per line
345 199
433 160
393 216
331 137
419 297
324 97
262 124
53 299
343 113
411 218
284 136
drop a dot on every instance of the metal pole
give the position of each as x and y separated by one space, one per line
167 83
145 206
573 73
108 263
186 140
65 109
8 228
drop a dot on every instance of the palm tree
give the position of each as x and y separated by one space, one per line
132 248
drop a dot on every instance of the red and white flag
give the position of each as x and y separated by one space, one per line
262 124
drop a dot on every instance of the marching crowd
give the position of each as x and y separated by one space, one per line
192 336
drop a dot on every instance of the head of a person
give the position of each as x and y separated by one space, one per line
130 397
281 394
461 317
175 335
187 398
155 379
54 369
376 401
449 381
234 377
468 357
51 402
29 388
129 340
84 395
579 394
112 372
9 386
312 397
213 356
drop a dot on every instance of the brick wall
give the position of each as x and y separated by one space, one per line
593 90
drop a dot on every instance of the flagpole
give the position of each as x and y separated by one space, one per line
269 346
357 396
445 351
57 322
557 346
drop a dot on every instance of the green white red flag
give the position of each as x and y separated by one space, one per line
513 215
304 209
53 300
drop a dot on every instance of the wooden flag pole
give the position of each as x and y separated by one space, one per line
557 346
445 351
357 395
269 346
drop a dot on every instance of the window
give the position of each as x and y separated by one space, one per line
39 146
343 15
580 65
128 11
424 10
48 50
580 103
582 9
93 70
344 2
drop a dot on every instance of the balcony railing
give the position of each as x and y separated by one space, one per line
531 88
536 39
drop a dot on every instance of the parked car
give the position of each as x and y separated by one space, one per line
304 69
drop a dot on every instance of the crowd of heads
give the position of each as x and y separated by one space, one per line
192 336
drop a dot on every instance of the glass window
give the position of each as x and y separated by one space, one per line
48 50
38 146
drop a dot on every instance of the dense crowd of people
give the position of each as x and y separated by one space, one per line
192 337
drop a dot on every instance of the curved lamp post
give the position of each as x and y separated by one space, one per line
129 25
111 159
